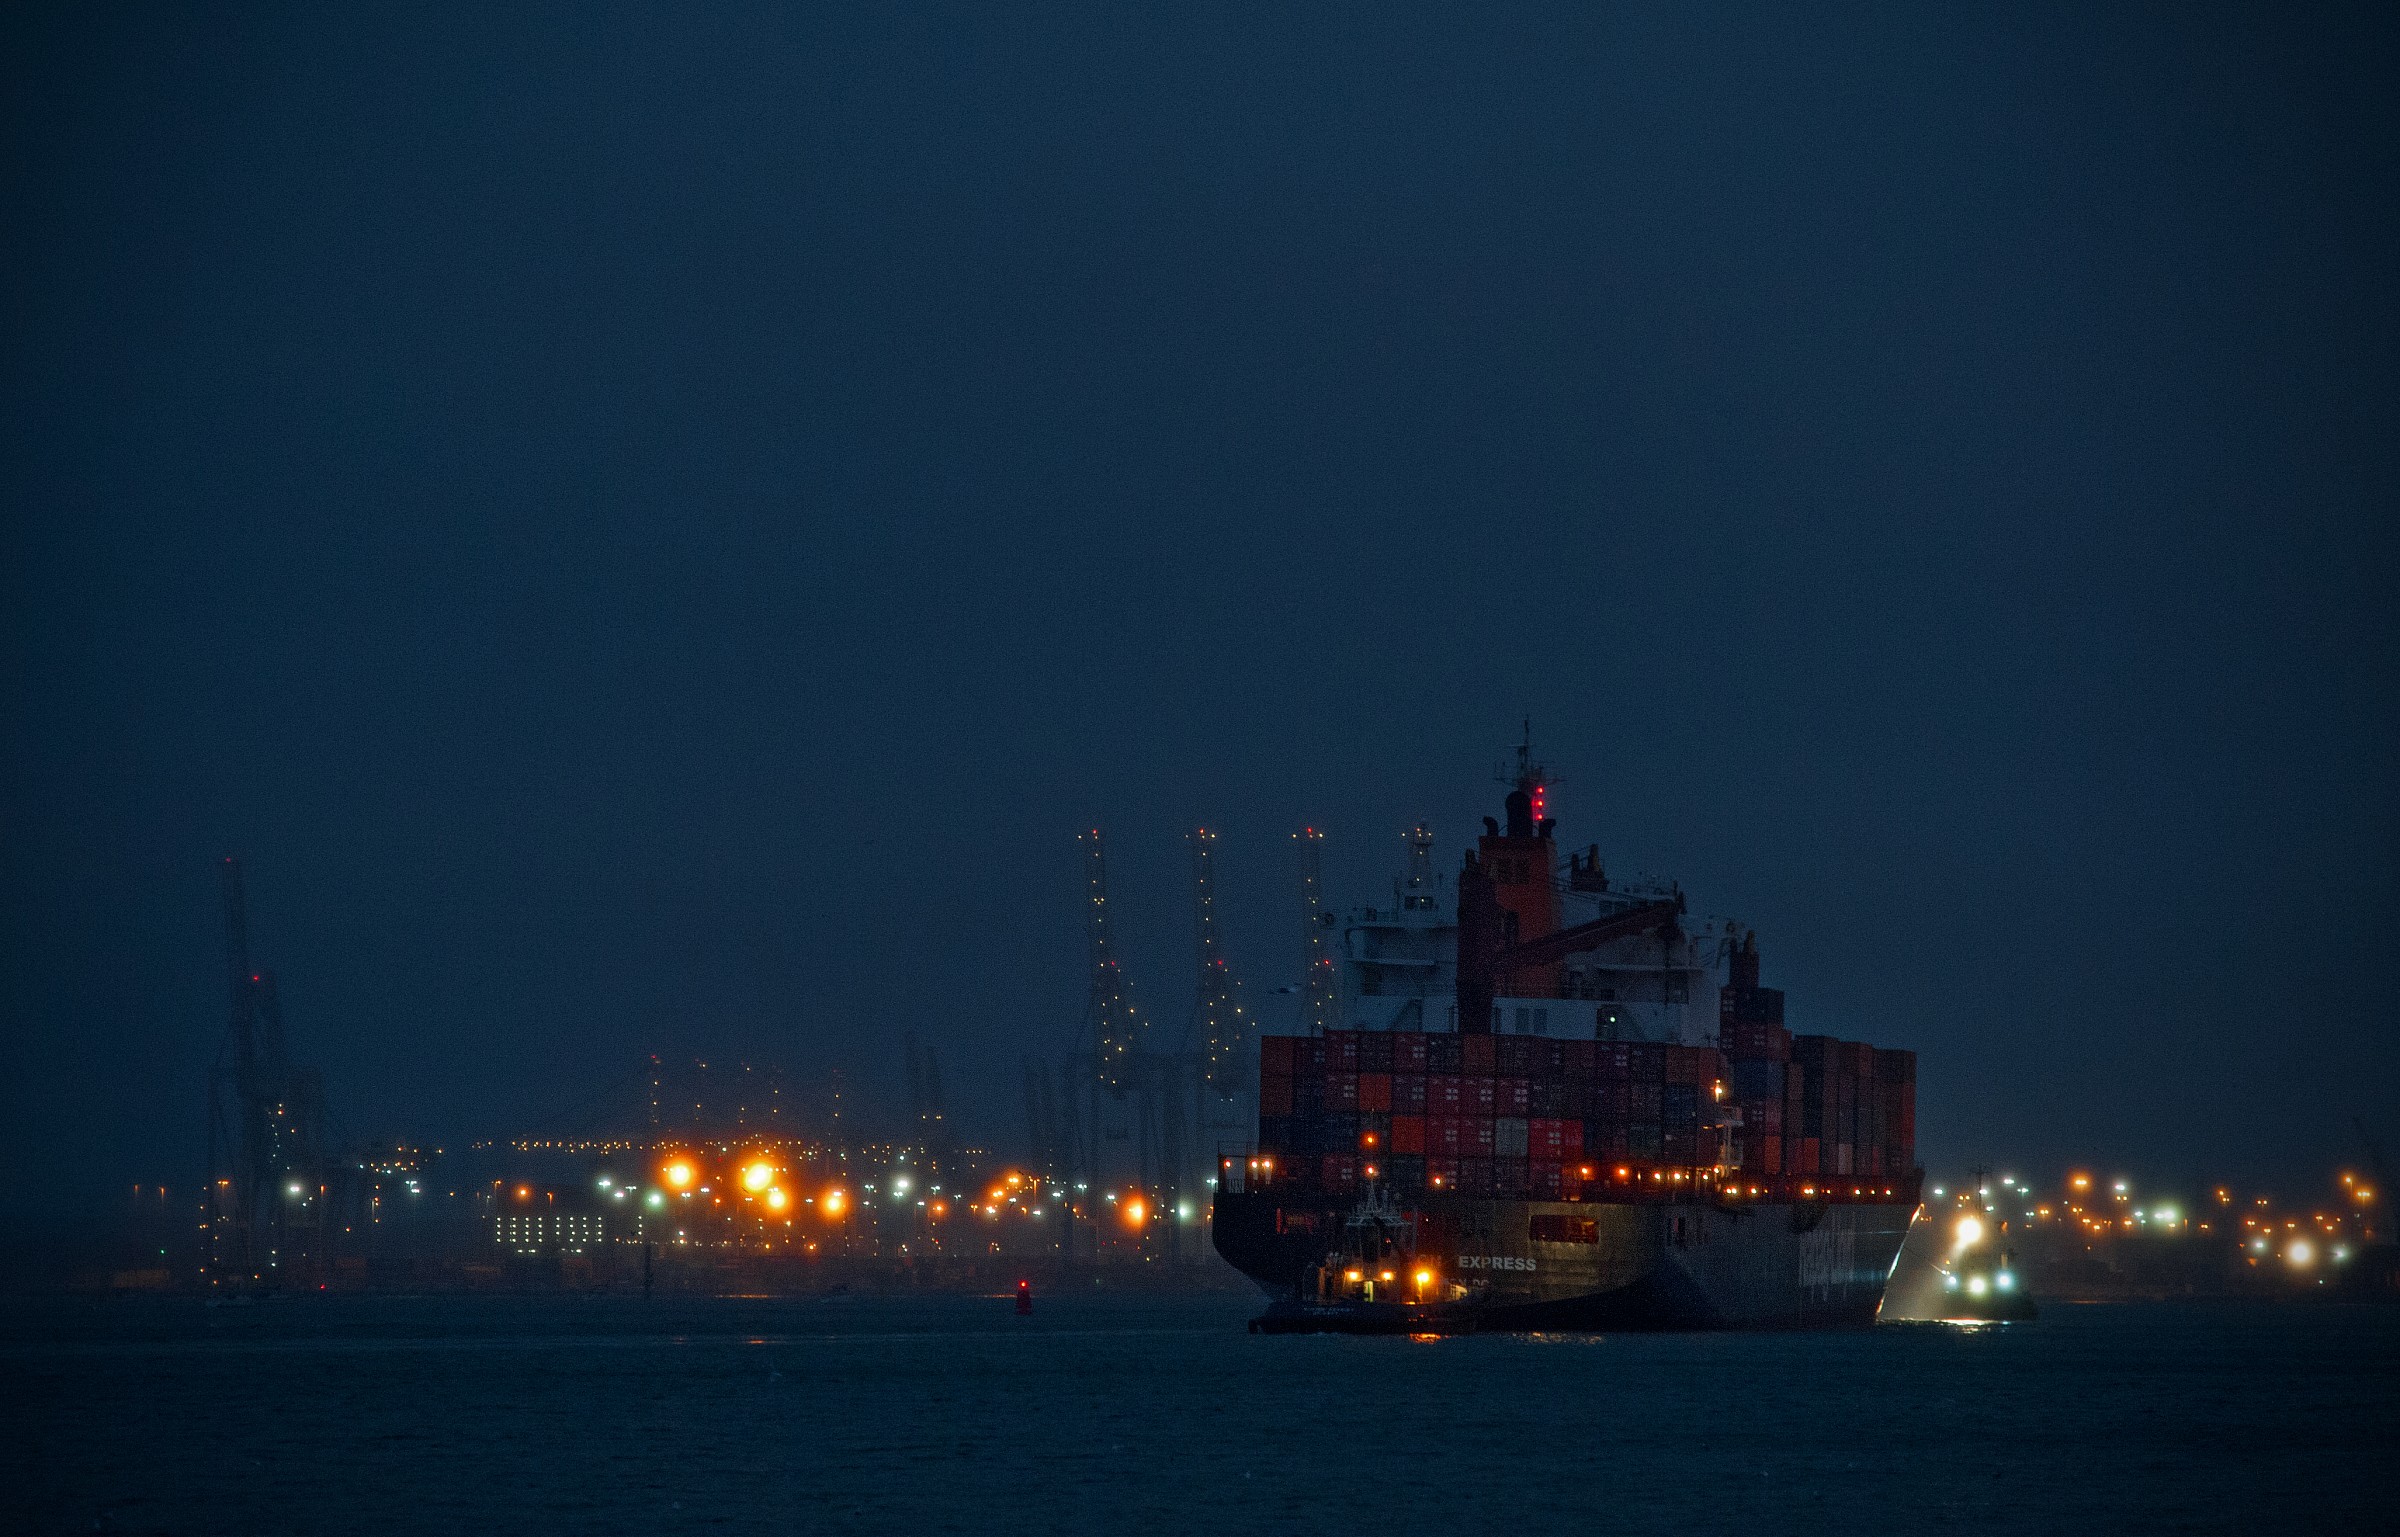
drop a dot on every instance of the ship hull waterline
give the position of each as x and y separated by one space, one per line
1643 1265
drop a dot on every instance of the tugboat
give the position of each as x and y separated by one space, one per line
1980 1283
1374 1284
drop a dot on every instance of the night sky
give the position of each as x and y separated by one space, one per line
653 531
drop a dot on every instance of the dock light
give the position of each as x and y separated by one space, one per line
900 1184
1424 1278
679 1174
1353 1275
1136 1211
2302 1254
1950 1282
758 1176
605 1182
1969 1231
655 1199
833 1201
1183 1211
2006 1280
1977 1286
777 1200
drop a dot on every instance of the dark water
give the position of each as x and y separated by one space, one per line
1140 1416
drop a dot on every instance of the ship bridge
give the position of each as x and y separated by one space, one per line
1559 952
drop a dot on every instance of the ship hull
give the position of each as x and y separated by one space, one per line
1627 1265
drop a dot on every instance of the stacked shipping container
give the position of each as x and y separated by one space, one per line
1523 1116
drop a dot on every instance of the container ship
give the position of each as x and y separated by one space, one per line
1557 1103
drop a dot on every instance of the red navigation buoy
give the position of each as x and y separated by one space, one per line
1024 1298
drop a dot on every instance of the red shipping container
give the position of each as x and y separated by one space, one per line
1475 1176
1475 1138
1408 1052
1275 1096
1277 1055
1511 1176
1441 1173
1541 1137
1475 1052
1442 1136
1512 1096
1341 1171
1570 1182
1375 1091
1579 1059
1408 1134
1545 1181
1341 1091
1811 1156
1408 1095
1445 1096
1341 1051
1770 1155
1613 1060
1481 1099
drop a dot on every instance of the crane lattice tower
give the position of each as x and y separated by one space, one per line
1417 890
1320 991
1222 1023
1111 1021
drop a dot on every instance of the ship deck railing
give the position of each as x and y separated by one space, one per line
1247 1169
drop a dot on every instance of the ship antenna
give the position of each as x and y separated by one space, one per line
1529 776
